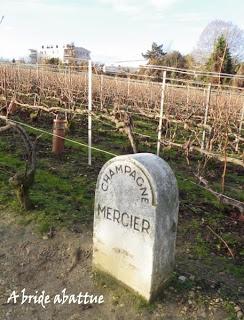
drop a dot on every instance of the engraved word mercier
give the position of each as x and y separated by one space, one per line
125 219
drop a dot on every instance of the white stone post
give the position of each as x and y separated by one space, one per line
89 111
206 115
161 113
135 222
101 92
128 88
239 130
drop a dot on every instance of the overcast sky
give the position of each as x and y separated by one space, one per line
121 29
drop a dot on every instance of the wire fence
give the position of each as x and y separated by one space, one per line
64 138
173 107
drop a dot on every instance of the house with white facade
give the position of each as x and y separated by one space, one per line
67 53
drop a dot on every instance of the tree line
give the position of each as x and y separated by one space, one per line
220 49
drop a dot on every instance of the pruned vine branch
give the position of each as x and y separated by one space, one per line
221 197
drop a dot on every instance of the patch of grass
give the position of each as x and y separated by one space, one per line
178 285
60 202
192 193
51 182
8 162
60 197
9 165
236 270
44 225
5 193
200 246
229 307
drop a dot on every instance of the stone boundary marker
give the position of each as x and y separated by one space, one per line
135 220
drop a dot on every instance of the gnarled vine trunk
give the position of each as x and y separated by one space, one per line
22 181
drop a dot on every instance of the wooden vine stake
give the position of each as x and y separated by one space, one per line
58 135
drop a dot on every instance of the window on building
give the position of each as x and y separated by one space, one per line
42 47
56 46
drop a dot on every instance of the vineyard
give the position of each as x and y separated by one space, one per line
189 114
176 112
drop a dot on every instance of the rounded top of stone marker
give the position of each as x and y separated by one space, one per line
157 171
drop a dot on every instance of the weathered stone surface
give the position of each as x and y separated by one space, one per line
135 219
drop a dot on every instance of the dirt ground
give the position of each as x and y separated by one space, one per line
51 263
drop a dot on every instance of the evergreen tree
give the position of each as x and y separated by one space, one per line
155 55
220 60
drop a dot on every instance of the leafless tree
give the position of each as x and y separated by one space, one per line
232 33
